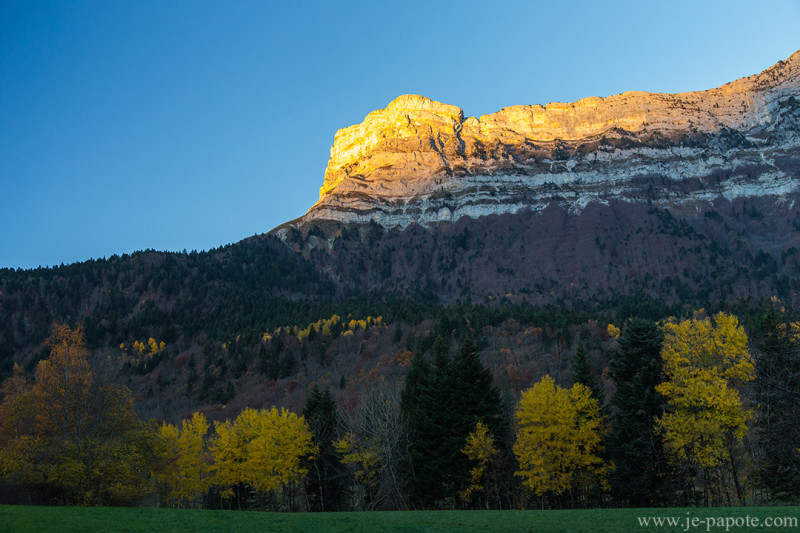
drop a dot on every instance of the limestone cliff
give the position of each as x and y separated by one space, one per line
421 161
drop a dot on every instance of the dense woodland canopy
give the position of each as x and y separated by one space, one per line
694 408
393 373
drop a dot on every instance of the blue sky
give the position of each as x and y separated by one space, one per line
192 124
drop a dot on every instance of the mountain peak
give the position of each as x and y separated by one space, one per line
406 125
421 161
414 104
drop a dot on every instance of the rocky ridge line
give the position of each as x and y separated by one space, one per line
421 161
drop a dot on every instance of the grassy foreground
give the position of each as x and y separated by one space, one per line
105 519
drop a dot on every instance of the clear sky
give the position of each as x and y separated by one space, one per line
192 124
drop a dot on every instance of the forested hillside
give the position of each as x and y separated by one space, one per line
474 314
415 369
437 428
243 324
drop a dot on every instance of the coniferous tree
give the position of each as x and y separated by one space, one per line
583 374
641 473
263 359
191 378
778 394
442 402
325 479
206 384
475 399
273 367
269 363
288 365
424 420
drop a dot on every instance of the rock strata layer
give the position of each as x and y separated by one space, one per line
420 161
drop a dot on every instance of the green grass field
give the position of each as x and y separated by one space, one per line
109 519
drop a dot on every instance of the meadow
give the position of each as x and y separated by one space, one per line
131 519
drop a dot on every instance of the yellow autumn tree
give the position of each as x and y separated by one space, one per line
705 362
62 386
184 470
559 438
364 458
139 347
266 449
480 449
16 416
155 346
228 456
73 433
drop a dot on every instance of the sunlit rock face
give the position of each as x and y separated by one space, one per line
420 161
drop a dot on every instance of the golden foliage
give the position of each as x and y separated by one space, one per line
480 449
364 457
81 438
150 348
185 466
559 437
704 360
326 327
266 449
62 384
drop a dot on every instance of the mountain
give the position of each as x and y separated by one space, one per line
420 161
526 229
683 197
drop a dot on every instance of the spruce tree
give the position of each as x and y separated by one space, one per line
474 399
324 480
442 402
641 472
778 395
475 396
423 404
583 374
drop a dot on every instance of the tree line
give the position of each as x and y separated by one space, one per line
699 414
